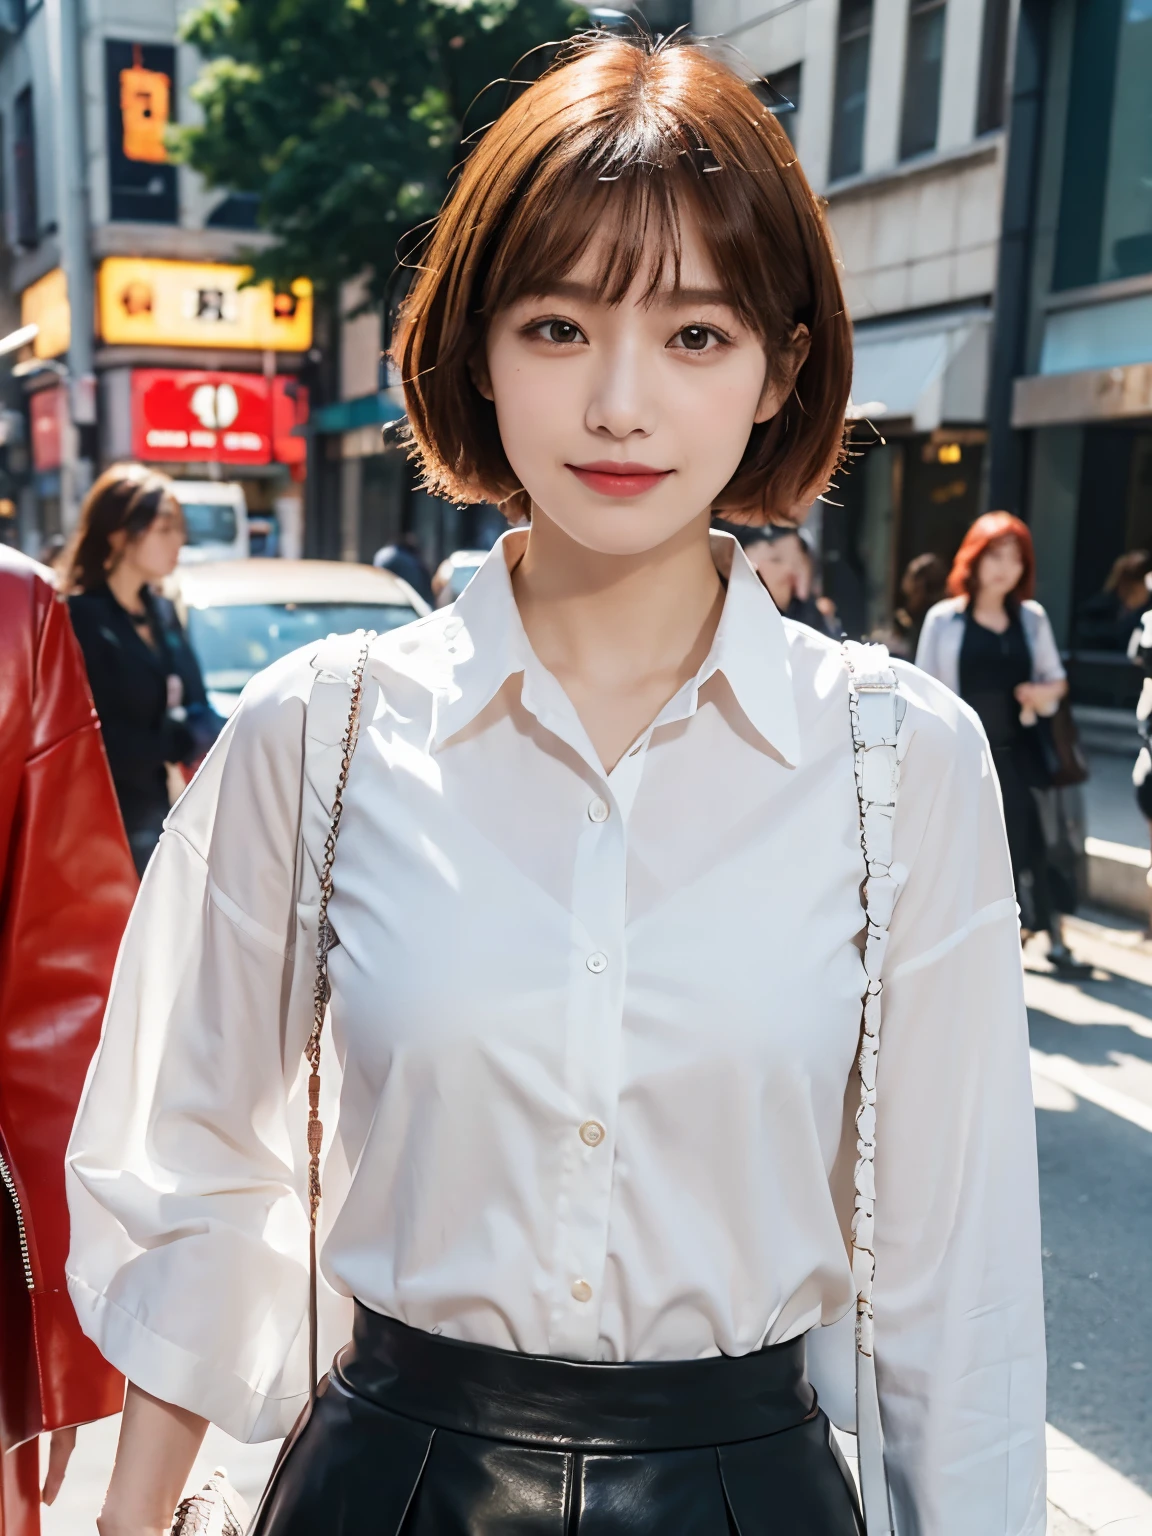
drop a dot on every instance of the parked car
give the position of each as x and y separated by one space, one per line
454 573
243 614
216 520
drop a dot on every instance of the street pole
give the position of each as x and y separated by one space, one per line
66 76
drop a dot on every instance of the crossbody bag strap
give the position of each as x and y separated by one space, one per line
876 710
325 939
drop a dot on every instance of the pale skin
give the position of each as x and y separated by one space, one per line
997 575
617 592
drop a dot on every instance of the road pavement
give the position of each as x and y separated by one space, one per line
1092 1075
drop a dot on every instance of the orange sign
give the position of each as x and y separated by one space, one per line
155 303
144 105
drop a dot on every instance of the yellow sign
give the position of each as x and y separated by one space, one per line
199 304
45 304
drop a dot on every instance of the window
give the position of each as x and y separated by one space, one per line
852 50
140 86
993 67
1105 229
785 105
24 168
922 69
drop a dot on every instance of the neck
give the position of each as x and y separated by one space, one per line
124 582
615 619
992 604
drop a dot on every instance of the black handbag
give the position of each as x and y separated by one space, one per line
1064 760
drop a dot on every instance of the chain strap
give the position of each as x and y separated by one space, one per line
325 941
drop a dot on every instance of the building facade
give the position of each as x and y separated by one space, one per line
147 344
1073 363
896 109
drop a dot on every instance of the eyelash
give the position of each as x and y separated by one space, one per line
537 328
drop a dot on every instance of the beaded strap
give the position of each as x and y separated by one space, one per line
875 710
325 940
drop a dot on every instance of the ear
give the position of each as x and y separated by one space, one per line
478 369
779 384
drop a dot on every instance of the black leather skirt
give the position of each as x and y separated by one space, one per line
416 1435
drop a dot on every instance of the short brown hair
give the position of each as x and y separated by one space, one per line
637 131
126 497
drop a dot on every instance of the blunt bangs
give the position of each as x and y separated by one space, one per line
622 142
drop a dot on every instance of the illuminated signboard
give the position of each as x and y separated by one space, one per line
194 415
154 303
45 304
140 91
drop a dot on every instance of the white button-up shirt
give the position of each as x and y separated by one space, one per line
597 1035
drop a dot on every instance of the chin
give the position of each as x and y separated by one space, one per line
625 527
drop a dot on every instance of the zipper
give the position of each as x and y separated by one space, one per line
9 1184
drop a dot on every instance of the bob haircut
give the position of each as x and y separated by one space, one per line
629 136
963 578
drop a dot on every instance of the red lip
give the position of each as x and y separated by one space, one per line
612 478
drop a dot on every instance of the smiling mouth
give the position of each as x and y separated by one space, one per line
611 479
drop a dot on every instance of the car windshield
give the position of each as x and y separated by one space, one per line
209 522
234 643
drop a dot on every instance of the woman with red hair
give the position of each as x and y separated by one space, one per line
991 643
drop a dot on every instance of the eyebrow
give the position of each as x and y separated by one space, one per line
564 288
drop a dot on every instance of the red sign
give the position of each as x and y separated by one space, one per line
47 410
196 415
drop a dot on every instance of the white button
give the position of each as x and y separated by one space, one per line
597 963
598 810
592 1133
581 1290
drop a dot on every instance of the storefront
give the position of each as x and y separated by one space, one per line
240 423
912 483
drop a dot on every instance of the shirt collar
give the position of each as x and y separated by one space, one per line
487 645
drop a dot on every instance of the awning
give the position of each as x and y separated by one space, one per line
929 371
349 415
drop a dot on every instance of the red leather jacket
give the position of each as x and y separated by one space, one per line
66 887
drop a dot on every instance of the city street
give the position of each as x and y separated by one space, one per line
1092 1075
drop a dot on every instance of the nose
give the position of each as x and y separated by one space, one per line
621 404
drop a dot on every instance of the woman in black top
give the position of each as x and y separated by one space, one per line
145 679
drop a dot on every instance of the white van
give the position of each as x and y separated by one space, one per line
216 517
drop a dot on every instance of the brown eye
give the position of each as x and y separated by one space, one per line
694 338
562 331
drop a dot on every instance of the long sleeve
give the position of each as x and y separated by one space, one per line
958 1299
188 1264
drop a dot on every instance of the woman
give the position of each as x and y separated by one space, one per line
66 886
991 643
922 586
597 991
144 677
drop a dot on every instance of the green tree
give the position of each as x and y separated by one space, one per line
345 117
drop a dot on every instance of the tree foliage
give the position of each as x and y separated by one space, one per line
345 117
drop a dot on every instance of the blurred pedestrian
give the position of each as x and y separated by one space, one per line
1107 621
783 560
1140 654
404 560
146 681
66 887
991 643
923 584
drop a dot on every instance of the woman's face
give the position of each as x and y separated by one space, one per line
155 551
1000 568
624 423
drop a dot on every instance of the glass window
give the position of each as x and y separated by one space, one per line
785 106
233 644
209 522
1126 236
851 101
993 85
1105 229
24 165
922 69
